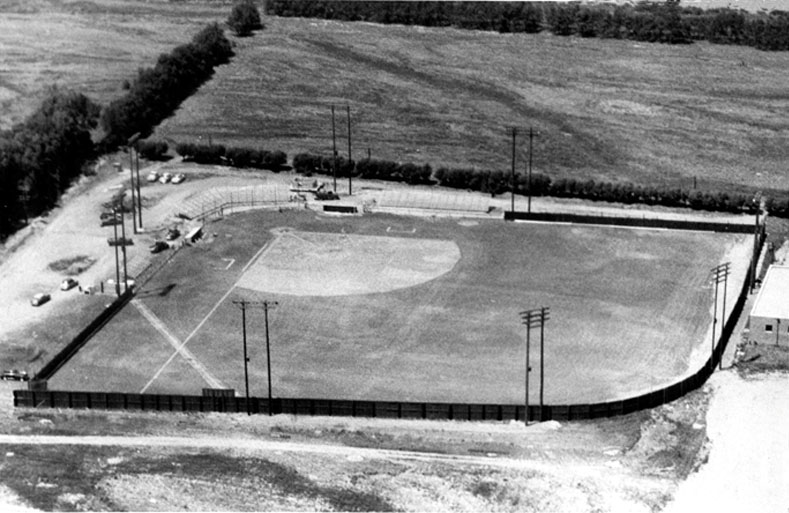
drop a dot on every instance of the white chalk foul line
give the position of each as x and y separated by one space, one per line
179 348
208 316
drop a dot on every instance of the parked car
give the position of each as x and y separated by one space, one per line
172 234
165 178
129 282
109 215
158 246
14 375
109 221
152 176
180 177
39 299
120 241
68 284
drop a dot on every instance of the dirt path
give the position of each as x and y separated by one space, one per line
748 466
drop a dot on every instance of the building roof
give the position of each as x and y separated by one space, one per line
773 298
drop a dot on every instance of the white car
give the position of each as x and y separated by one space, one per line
129 283
165 178
153 176
180 177
68 284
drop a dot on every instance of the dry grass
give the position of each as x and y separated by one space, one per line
613 110
610 110
91 47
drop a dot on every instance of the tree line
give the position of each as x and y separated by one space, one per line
41 157
158 91
666 22
233 156
538 184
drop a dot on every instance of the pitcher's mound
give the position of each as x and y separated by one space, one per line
328 264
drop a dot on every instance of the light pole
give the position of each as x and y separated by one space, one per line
532 319
758 201
265 305
512 174
720 273
532 135
350 159
334 148
115 245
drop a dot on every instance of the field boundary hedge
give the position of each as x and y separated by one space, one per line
39 397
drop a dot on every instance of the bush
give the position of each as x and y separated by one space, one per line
152 150
244 18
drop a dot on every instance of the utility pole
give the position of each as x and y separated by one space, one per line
532 319
265 305
123 248
758 201
115 245
139 196
134 205
134 157
719 273
243 305
531 137
350 159
334 148
512 175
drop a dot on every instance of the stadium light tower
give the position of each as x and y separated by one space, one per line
265 305
532 319
532 135
334 148
512 174
135 164
720 273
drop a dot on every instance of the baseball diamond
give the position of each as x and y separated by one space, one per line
386 307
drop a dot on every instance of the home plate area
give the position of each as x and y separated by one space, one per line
338 264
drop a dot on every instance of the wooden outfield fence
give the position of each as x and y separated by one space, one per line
642 222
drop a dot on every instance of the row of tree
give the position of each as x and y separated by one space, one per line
538 184
40 157
158 91
239 157
665 22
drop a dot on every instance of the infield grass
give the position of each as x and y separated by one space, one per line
628 309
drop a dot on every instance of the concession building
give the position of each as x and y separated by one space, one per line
769 320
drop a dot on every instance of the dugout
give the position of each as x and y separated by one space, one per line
769 319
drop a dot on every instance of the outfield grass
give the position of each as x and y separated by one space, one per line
628 308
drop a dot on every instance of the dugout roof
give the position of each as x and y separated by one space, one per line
773 298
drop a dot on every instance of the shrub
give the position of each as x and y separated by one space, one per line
152 150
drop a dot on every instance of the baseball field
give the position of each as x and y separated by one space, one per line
415 309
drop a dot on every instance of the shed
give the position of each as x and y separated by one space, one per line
769 319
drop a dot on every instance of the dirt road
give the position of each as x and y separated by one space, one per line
748 466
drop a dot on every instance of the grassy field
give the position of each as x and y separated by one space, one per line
628 308
606 110
91 47
611 110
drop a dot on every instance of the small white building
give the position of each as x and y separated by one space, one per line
769 319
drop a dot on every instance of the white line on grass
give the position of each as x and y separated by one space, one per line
179 348
200 325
